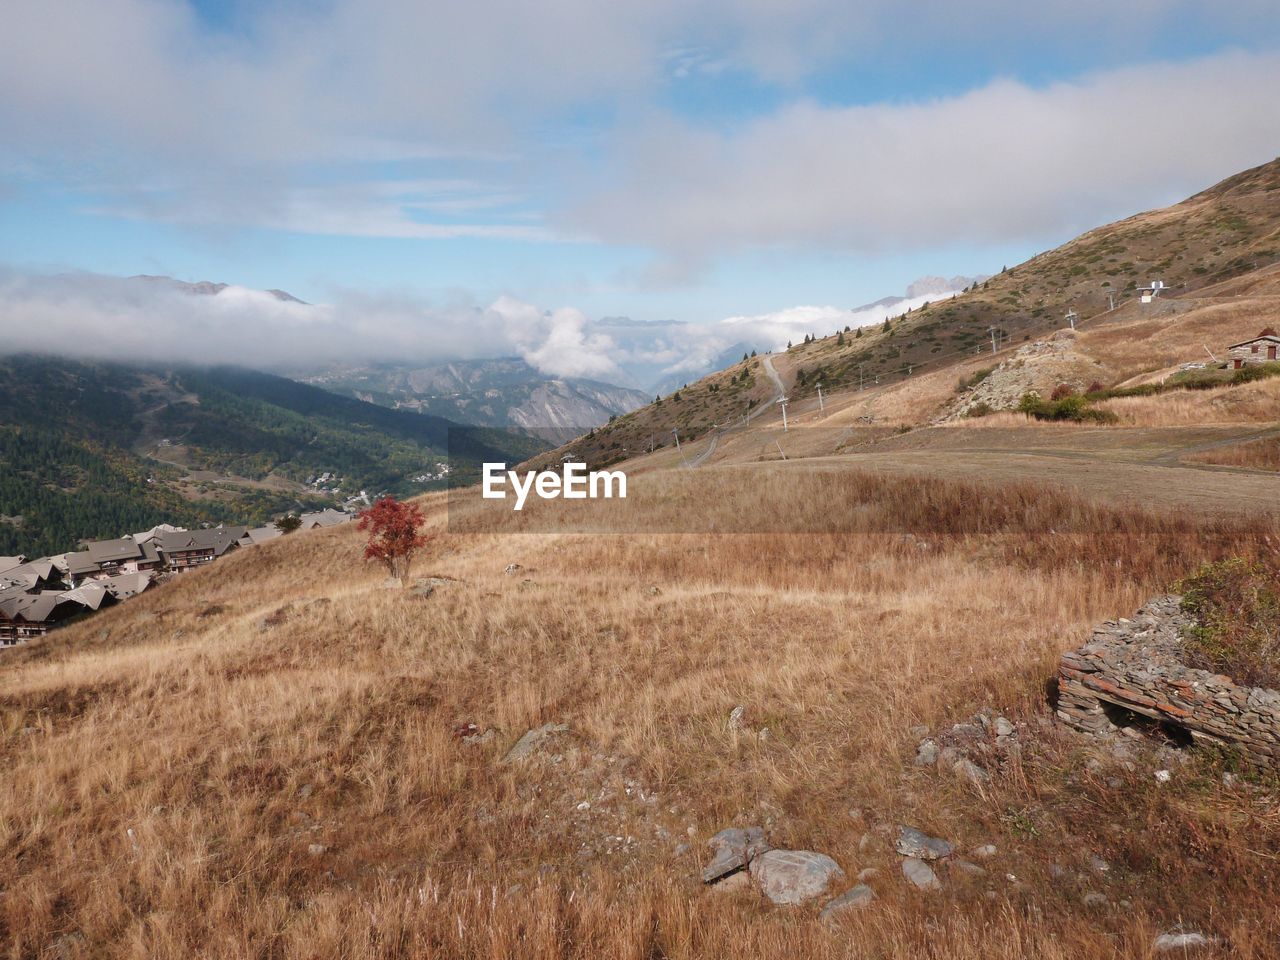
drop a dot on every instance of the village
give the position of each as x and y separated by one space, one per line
39 595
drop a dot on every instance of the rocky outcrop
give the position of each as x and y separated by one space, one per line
1133 668
1039 366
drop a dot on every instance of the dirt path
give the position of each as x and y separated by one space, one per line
779 391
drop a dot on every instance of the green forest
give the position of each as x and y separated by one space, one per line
69 431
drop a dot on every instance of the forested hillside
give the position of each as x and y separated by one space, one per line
97 450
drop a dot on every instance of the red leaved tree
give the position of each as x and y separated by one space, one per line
395 534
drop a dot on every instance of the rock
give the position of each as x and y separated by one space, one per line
654 591
853 899
682 849
1004 728
1094 899
734 849
964 866
913 843
985 852
423 590
1163 776
479 739
316 849
512 569
1098 864
794 876
966 768
1168 942
927 753
736 717
920 874
533 740
733 883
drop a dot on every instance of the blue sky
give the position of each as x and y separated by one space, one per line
695 160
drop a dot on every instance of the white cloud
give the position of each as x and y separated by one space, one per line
1005 163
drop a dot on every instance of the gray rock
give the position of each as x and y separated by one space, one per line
920 874
316 849
964 866
733 883
914 843
1004 728
966 768
533 740
985 852
733 849
927 753
1095 899
512 569
794 876
853 899
1168 942
737 717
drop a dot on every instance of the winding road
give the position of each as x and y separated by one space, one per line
780 392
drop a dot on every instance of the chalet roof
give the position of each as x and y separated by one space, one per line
35 607
91 595
123 548
126 585
81 563
28 574
147 536
260 535
217 539
8 563
1261 338
324 518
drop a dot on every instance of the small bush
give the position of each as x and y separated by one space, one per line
1062 391
979 410
1073 407
1236 608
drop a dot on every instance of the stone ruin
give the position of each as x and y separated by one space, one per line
1131 673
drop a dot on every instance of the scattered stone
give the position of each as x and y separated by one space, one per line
966 768
316 849
1163 776
533 740
853 899
914 843
654 591
920 874
733 849
1168 942
794 876
1098 864
512 569
927 753
682 849
1004 728
479 739
985 852
733 883
964 866
737 718
1095 899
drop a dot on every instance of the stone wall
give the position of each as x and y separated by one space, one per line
1136 665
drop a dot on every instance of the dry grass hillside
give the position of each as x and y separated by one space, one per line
1217 253
274 757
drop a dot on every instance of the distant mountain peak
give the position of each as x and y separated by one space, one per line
207 288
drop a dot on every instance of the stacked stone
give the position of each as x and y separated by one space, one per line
1137 665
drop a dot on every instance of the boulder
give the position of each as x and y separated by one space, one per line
914 843
927 753
853 899
733 849
1181 942
920 874
794 876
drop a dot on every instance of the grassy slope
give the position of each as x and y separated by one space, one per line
171 765
1200 246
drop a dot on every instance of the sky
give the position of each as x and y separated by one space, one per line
499 177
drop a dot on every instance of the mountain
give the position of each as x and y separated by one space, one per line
206 288
99 449
1222 233
504 392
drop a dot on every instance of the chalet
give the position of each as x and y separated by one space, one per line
127 585
25 616
108 558
259 535
324 518
8 563
31 575
1261 349
185 549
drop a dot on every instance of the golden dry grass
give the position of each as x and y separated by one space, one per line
1257 402
1263 454
169 764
